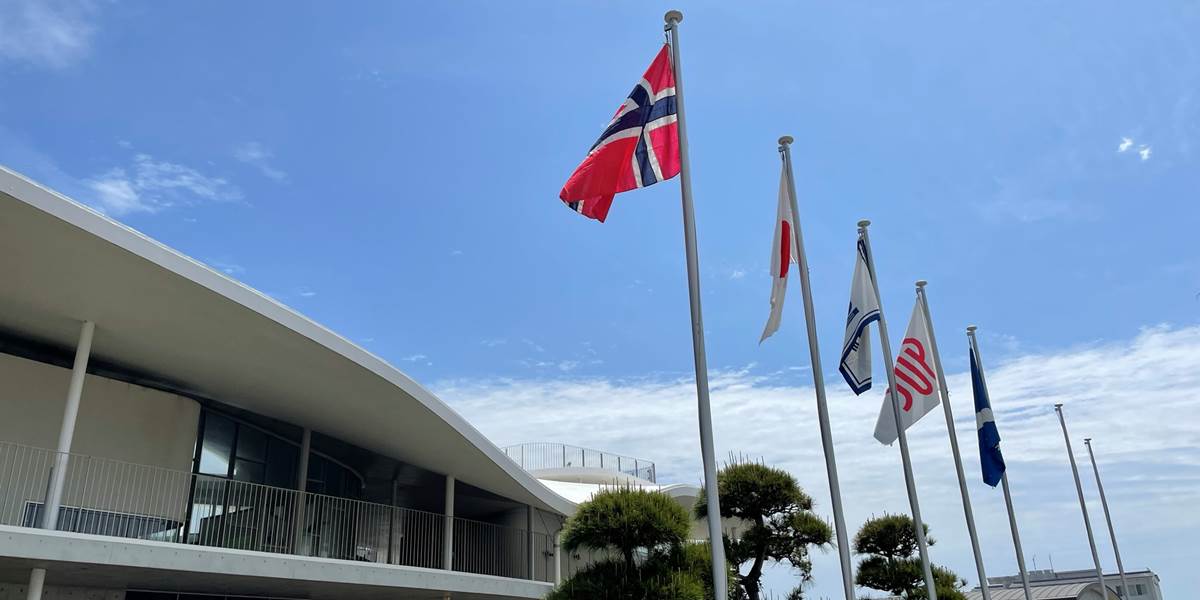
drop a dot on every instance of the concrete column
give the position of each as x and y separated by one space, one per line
558 558
301 487
448 541
529 540
58 474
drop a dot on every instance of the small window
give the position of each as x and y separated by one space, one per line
248 471
1139 589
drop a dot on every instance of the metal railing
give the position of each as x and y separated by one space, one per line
114 498
533 456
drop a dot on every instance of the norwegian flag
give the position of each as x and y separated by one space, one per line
640 146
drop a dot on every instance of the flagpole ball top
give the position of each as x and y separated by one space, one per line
673 15
864 223
1058 406
1087 441
971 328
785 140
921 283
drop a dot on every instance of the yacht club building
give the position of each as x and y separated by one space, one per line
167 432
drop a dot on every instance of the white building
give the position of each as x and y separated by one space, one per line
1047 584
192 436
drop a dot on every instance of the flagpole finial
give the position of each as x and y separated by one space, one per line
1058 407
672 17
921 283
971 328
1087 441
864 223
785 140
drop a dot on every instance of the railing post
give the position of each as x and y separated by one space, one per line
564 453
448 542
58 473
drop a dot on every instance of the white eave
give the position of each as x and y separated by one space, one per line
164 313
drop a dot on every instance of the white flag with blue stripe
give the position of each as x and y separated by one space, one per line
864 309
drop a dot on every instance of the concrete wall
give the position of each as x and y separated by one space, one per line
117 420
16 591
122 424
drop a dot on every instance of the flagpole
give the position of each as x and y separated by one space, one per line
1112 533
720 586
810 321
918 524
1087 523
958 466
1012 515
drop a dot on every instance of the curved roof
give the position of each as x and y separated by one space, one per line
1056 591
161 312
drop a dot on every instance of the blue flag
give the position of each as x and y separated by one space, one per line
989 437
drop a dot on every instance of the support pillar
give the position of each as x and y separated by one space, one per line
529 541
448 536
58 473
558 558
301 488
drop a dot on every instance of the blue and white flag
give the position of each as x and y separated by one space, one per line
990 458
864 308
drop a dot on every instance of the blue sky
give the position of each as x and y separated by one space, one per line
392 171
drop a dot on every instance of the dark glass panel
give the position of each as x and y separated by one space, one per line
249 471
252 444
218 445
281 464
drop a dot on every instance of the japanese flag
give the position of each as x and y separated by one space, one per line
781 257
916 380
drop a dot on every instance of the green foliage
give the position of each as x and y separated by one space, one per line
697 558
657 578
892 536
893 564
626 520
781 525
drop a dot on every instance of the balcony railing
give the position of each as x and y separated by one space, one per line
533 456
114 498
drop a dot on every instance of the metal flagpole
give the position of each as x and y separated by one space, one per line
918 524
720 587
1112 533
810 320
1087 523
962 478
1012 515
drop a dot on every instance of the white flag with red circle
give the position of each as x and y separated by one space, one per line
916 380
781 257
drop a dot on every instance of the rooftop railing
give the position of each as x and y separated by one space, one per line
533 456
114 498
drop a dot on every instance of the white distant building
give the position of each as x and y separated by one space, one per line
224 447
1047 584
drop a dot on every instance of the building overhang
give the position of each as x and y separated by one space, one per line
161 312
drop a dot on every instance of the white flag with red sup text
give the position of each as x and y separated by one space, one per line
916 380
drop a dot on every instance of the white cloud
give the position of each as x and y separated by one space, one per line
414 358
49 33
737 274
256 155
306 293
1144 152
1136 398
1126 144
151 185
492 343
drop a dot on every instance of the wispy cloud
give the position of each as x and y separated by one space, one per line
305 292
1133 396
493 342
258 156
1125 145
737 274
1144 152
227 268
46 33
414 358
151 185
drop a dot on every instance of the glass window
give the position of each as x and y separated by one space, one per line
281 463
1140 589
248 471
218 445
251 444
